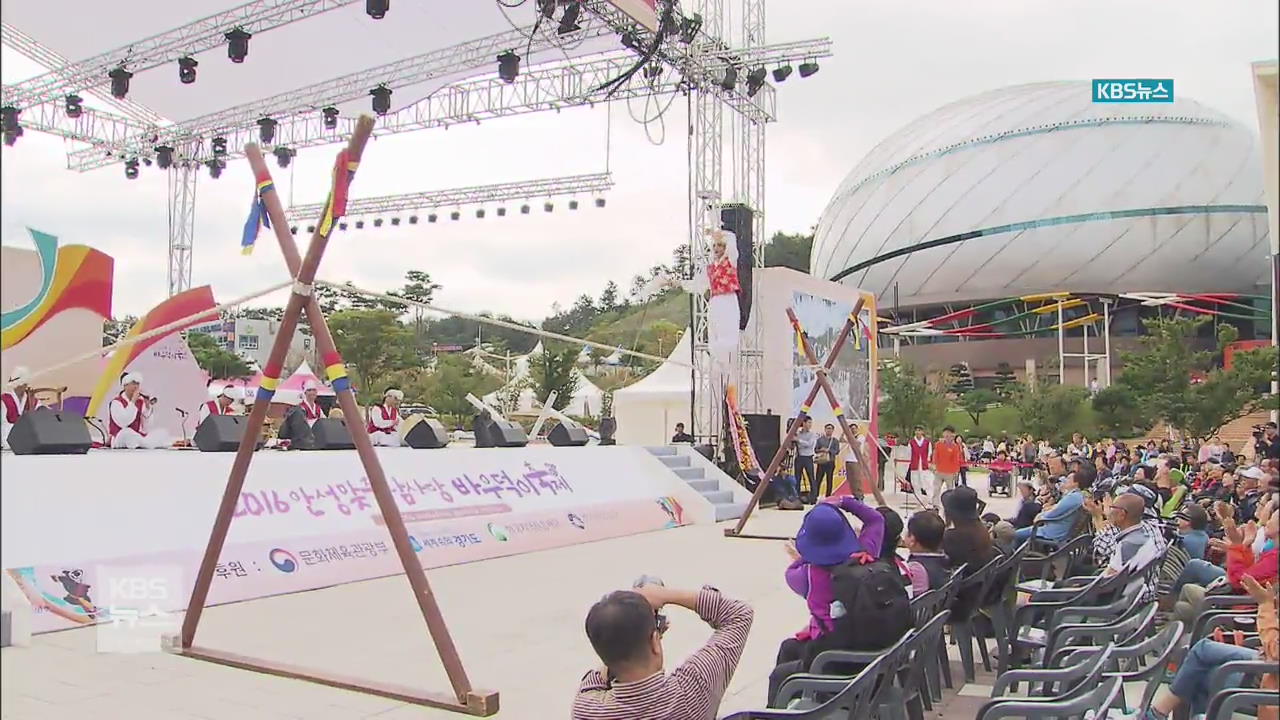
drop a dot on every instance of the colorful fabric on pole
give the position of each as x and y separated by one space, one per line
738 432
336 206
71 276
258 217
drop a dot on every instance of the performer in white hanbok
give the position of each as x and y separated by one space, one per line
219 403
723 313
17 399
130 411
384 419
309 406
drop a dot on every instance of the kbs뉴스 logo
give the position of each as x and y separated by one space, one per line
283 560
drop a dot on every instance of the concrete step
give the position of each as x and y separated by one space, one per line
675 461
689 473
704 485
662 451
730 511
716 497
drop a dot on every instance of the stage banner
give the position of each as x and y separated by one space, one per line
305 520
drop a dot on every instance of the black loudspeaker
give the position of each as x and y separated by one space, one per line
764 432
220 433
49 432
564 435
739 220
331 434
480 428
608 428
507 434
427 434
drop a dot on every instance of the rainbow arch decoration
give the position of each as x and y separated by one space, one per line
71 276
189 302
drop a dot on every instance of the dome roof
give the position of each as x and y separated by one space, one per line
1035 188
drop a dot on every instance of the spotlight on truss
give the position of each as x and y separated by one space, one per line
573 204
781 73
283 156
267 130
502 212
377 9
689 28
808 68
730 80
455 215
755 81
359 224
342 226
11 136
164 157
524 209
311 229
480 214
215 168
395 221
548 207
599 202
219 146
432 218
381 99
413 219
377 222
9 118
187 70
330 117
630 41
293 229
74 106
131 169
508 66
119 82
569 21
238 45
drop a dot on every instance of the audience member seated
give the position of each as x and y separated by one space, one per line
914 575
1060 520
924 543
1191 684
1193 523
1028 508
967 541
625 629
1134 548
1241 561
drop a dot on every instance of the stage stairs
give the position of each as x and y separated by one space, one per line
725 495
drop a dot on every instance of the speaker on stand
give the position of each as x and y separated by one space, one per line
220 433
420 433
43 431
331 434
565 434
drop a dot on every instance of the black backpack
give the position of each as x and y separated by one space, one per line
877 609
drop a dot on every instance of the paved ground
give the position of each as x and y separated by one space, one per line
516 620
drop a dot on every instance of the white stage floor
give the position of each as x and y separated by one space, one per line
517 622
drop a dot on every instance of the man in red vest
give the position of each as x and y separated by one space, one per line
310 408
129 413
384 419
219 404
921 457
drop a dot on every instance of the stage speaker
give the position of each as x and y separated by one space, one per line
49 432
764 432
567 435
220 433
331 434
507 434
424 433
739 220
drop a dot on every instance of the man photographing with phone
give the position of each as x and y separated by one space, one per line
626 628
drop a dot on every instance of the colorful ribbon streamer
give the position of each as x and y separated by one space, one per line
258 217
336 206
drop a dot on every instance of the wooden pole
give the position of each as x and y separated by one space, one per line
304 271
795 426
864 470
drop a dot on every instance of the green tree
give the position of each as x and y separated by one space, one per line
789 250
418 287
375 342
447 386
113 331
907 400
975 402
213 359
554 371
609 298
1046 409
959 379
262 313
1004 379
1118 412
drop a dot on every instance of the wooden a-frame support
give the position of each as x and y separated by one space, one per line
464 698
823 383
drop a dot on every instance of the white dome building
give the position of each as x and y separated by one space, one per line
1035 188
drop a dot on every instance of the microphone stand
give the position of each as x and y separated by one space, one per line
183 424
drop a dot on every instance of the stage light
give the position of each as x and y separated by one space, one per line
730 80
377 9
547 8
808 68
74 107
524 209
219 146
480 214
293 229
119 82
381 99
413 219
9 118
573 204
330 117
267 130
782 73
238 45
630 41
131 169
164 157
455 215
359 224
283 156
215 168
569 21
395 221
755 81
689 28
146 161
599 202
311 229
187 70
502 212
342 226
431 218
11 136
508 66
548 207
377 222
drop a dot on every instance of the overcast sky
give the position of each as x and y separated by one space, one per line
894 61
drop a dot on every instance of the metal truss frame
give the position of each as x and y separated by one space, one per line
196 37
457 197
182 224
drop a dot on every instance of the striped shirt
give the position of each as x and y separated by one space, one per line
693 691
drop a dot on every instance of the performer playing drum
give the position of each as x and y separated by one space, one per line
384 419
130 412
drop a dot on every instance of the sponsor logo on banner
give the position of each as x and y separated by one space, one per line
533 527
413 543
577 521
498 532
283 560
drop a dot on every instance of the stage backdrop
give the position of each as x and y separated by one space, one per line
170 375
307 520
822 307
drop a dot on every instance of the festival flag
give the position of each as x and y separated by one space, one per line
258 217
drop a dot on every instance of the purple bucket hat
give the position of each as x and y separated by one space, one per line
826 537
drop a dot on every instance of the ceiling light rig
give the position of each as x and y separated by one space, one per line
131 169
11 136
508 66
187 70
808 68
755 81
689 28
569 21
215 168
9 118
219 146
74 106
284 155
381 99
267 130
164 157
238 45
480 213
330 117
119 82
730 80
780 74
377 9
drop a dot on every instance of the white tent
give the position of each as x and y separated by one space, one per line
648 410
